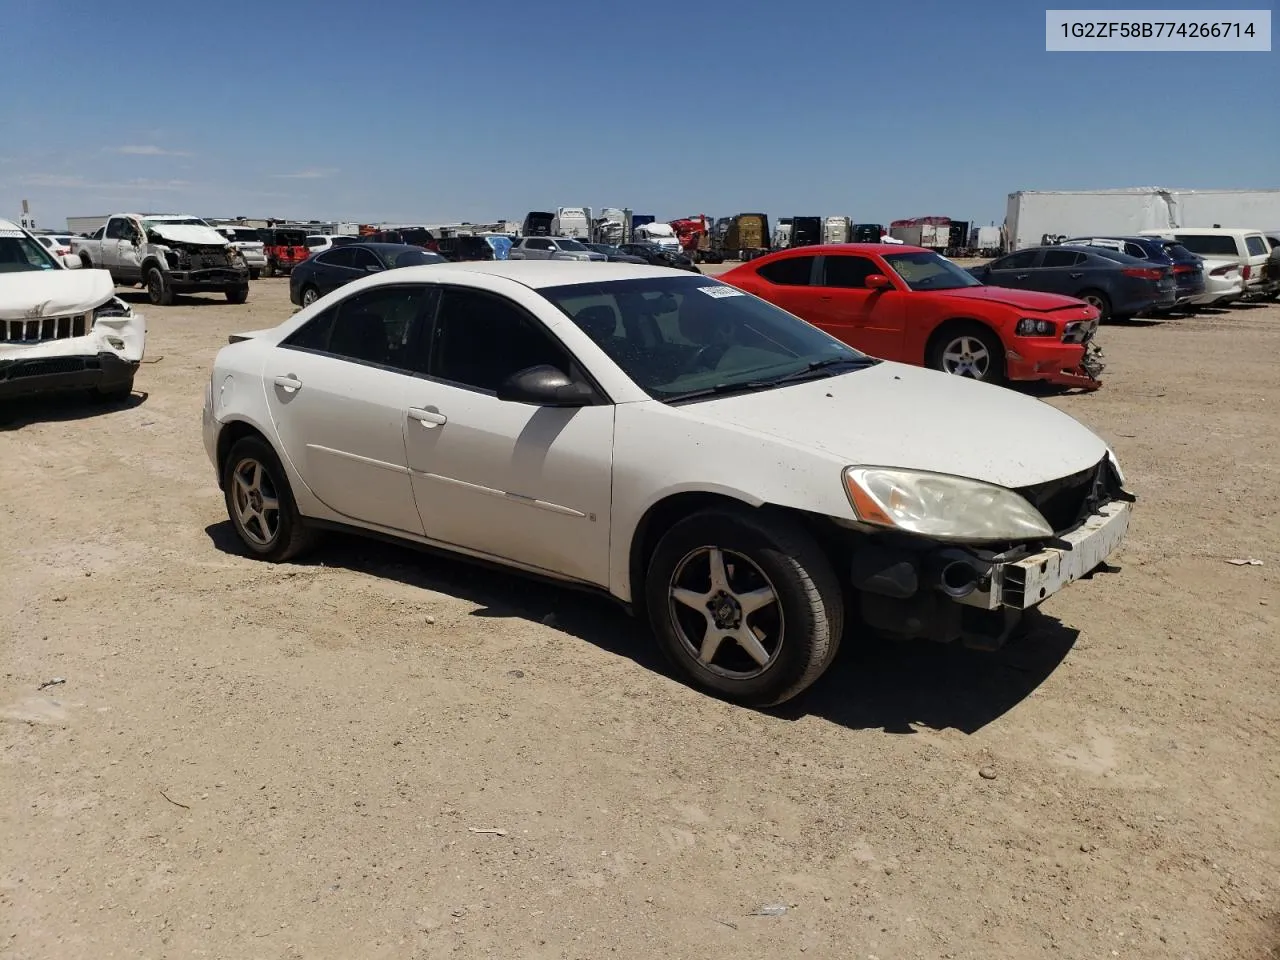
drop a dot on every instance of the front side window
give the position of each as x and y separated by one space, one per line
377 326
678 336
1017 261
118 229
410 257
481 339
789 271
848 271
365 260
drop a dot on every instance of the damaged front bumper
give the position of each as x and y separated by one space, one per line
1070 370
105 359
947 593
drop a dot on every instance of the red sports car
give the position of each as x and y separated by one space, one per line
911 305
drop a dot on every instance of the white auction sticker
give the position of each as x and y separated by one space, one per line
721 291
1155 31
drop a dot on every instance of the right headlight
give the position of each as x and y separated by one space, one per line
941 506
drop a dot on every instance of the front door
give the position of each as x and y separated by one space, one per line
1013 271
508 480
872 321
339 390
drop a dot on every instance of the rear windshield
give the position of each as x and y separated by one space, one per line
1256 245
1177 251
1209 244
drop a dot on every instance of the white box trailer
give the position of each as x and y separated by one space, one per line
83 226
1035 216
986 240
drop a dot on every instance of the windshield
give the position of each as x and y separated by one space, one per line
677 336
414 257
928 271
573 245
20 254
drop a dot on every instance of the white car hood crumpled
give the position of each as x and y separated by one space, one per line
53 293
893 415
188 233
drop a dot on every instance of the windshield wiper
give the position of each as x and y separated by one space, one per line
814 371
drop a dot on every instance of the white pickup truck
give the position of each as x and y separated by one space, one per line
167 254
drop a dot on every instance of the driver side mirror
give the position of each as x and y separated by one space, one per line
545 386
71 261
878 281
372 268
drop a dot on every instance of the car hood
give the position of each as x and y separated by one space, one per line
188 233
53 293
893 415
1023 299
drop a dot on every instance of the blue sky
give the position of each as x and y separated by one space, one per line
434 111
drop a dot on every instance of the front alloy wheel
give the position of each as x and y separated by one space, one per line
966 357
745 604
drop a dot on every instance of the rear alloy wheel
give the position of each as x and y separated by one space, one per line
969 351
1098 300
260 503
309 296
745 605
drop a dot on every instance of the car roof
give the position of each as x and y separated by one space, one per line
823 249
1205 231
391 246
9 225
537 274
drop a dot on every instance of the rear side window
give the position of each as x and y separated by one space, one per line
1062 258
1177 251
789 272
1209 245
377 326
337 257
1256 245
1136 250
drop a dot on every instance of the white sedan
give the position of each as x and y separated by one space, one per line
731 473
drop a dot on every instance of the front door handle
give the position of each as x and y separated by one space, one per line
289 384
825 299
1022 276
1076 276
427 417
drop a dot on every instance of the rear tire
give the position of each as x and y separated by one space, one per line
158 291
260 502
309 295
777 587
270 269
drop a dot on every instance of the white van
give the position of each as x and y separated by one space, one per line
1249 248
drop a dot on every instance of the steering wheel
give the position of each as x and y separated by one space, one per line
705 359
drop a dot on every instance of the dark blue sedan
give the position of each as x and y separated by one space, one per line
1188 269
327 271
1117 285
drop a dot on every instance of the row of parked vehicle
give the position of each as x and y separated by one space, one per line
1153 273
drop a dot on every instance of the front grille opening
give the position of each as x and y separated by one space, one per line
44 328
1069 501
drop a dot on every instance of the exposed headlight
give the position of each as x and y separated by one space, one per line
941 506
115 307
1031 327
1115 463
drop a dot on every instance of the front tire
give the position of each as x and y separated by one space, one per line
115 394
158 291
968 350
260 502
238 294
745 605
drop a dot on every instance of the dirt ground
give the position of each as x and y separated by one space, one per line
380 754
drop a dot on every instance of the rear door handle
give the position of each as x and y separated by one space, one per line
825 299
289 384
428 418
1022 276
1076 276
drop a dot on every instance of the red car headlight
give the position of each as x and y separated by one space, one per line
1032 327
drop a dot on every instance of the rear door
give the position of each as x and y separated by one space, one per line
873 321
789 283
339 390
1061 271
336 267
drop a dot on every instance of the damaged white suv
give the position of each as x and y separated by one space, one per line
61 327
